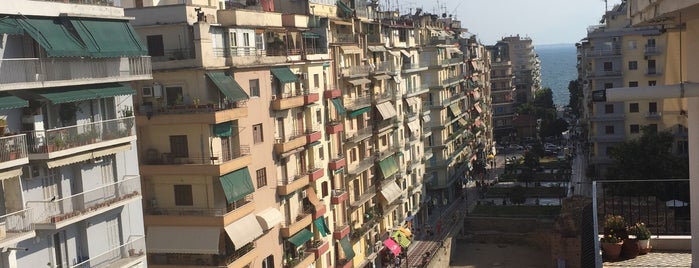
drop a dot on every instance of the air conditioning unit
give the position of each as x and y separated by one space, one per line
304 194
147 91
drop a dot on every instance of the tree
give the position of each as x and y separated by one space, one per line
576 97
518 195
543 98
647 157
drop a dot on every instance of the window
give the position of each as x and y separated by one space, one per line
259 42
178 146
254 87
653 107
173 95
183 195
633 83
155 45
651 67
633 65
324 189
353 155
608 66
233 39
634 129
316 81
632 44
650 43
257 133
269 262
261 175
319 116
633 107
608 85
652 83
609 108
321 153
608 129
246 39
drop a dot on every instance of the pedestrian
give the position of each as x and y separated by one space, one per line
397 259
439 228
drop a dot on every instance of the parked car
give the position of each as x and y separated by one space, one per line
516 147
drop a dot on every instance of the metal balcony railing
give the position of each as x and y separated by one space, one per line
383 96
17 222
603 52
13 147
356 70
316 50
344 38
52 140
356 102
373 38
181 54
452 61
135 247
451 80
303 211
245 51
85 202
210 212
208 159
361 165
385 66
417 89
360 134
289 136
30 70
651 50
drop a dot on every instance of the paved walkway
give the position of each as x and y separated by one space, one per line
655 259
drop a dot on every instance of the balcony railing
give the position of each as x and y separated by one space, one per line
384 67
181 54
414 65
603 52
302 213
17 222
344 38
361 165
210 212
452 61
13 147
357 102
373 38
653 71
356 70
52 140
246 51
212 159
417 89
654 115
133 249
85 202
316 50
289 136
209 260
31 70
84 2
384 96
651 50
451 80
361 134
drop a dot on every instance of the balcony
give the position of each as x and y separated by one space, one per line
341 230
174 216
343 263
414 67
291 184
373 38
57 142
302 261
313 135
357 70
414 91
319 249
383 96
607 117
338 196
332 93
337 163
16 227
451 81
83 2
27 73
334 127
290 142
239 258
654 115
315 174
452 61
194 114
653 72
364 197
288 101
384 67
13 151
343 38
607 73
651 50
176 54
53 215
357 102
291 227
359 135
310 97
603 52
131 253
249 18
360 166
209 165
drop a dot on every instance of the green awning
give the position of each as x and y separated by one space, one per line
284 74
54 37
110 90
310 35
109 38
322 226
237 184
388 166
8 101
301 237
224 129
315 143
347 248
400 237
356 113
471 84
348 10
338 106
339 170
228 86
67 94
10 26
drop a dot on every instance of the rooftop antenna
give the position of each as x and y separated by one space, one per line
606 6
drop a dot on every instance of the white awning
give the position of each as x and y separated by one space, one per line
360 81
426 118
376 48
386 110
244 231
411 101
404 52
69 160
391 192
382 77
395 54
111 150
351 49
451 50
183 240
397 79
414 126
11 173
269 217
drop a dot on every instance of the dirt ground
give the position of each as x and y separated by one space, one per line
482 255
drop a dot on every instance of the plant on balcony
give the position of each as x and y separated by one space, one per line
642 234
127 112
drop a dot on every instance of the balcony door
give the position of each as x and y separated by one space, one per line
299 123
113 238
225 149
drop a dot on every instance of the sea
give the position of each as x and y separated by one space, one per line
558 67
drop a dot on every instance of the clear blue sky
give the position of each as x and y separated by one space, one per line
545 21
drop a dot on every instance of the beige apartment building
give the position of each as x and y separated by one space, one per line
297 134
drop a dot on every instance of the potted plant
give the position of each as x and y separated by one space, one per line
614 235
642 234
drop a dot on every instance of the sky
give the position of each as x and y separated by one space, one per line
544 21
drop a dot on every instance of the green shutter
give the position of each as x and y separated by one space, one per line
388 166
8 101
356 113
338 106
109 38
54 37
228 86
237 184
301 237
284 75
224 129
322 227
347 248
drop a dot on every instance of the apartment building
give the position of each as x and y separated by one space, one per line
69 171
615 54
503 93
525 65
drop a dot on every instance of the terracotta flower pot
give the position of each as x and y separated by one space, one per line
611 250
630 248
